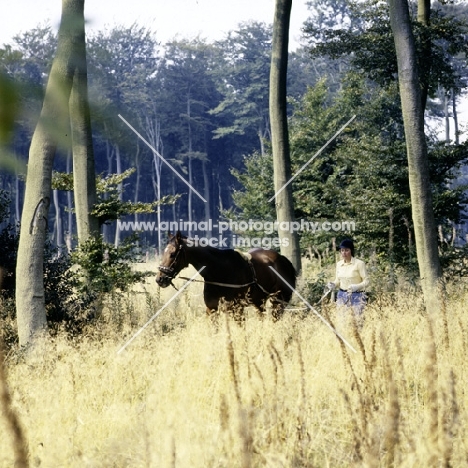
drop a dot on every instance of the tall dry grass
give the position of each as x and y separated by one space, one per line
192 392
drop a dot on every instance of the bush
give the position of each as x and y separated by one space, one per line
454 262
104 268
63 307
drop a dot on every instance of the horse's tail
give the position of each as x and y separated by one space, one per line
288 273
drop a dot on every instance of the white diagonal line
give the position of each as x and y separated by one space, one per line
160 310
312 158
156 152
314 311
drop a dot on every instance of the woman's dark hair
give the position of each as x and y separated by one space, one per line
347 244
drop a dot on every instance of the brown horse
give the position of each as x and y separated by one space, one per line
239 279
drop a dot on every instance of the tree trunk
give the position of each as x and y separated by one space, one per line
424 16
446 116
17 199
455 117
425 229
106 228
69 235
153 133
51 128
206 194
279 131
190 173
58 228
136 194
118 161
84 174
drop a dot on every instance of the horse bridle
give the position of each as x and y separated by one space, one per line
170 271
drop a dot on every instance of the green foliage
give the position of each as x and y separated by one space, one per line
62 181
4 204
360 177
313 289
167 92
363 175
244 89
454 262
73 284
9 111
8 248
364 36
8 107
252 202
64 309
449 198
110 206
104 268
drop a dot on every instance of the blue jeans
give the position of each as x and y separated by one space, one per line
356 300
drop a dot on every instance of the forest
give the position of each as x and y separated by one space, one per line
110 140
181 139
204 108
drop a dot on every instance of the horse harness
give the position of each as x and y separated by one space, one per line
170 272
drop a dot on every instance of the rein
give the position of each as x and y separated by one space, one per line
226 285
170 272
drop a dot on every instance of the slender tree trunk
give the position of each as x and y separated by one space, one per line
455 117
279 130
424 16
58 221
118 161
153 131
106 229
425 228
206 193
138 177
261 140
17 199
446 117
51 128
174 212
84 174
69 235
190 174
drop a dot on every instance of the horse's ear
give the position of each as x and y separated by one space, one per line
180 238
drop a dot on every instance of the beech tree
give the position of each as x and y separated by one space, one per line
84 176
279 131
51 131
418 167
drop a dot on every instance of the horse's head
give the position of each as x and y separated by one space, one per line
173 260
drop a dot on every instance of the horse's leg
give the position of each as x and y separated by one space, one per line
236 308
258 300
212 307
277 309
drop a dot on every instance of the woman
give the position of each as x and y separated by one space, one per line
351 280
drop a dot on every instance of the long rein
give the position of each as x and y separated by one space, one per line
215 283
228 285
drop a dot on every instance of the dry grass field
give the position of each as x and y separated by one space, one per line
188 392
